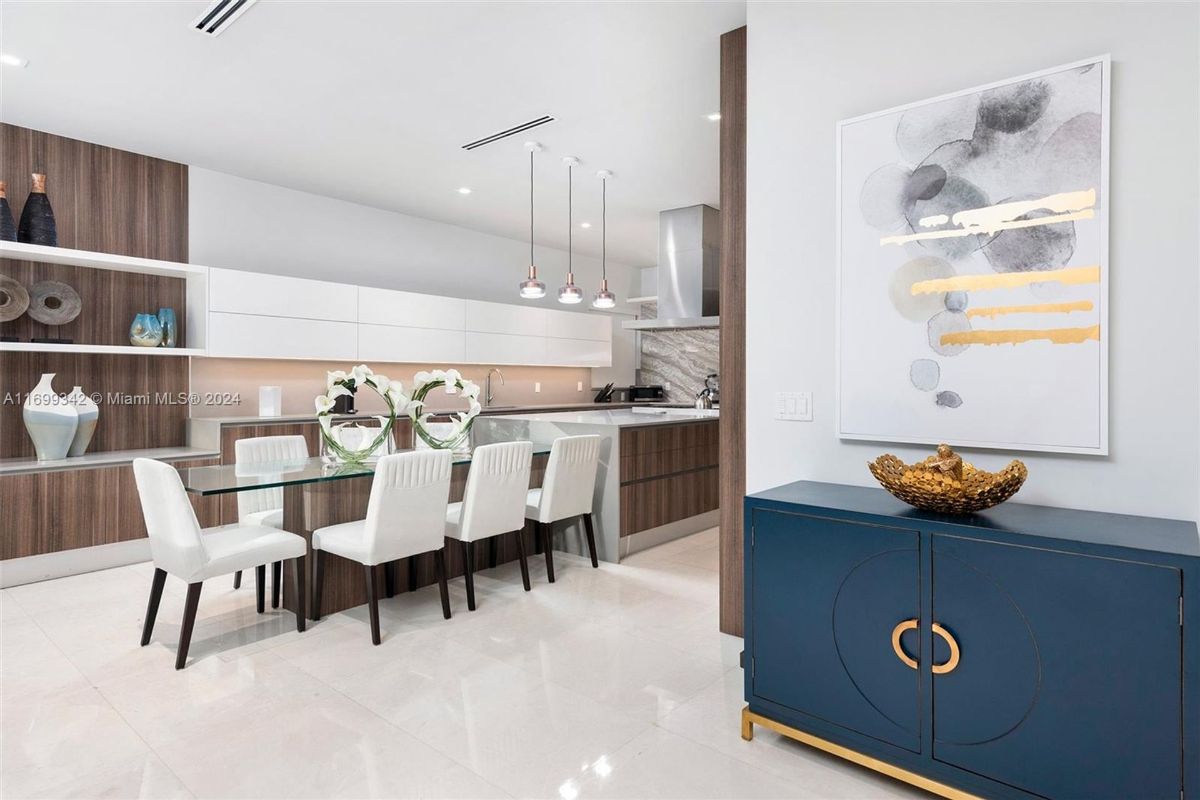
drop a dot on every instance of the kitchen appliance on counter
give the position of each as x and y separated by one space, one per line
605 395
711 391
647 393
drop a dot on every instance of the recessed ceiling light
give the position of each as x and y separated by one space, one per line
464 190
713 117
9 60
585 224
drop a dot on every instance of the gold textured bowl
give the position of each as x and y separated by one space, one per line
947 484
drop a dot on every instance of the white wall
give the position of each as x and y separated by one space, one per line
242 224
811 64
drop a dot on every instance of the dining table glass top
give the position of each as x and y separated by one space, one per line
228 478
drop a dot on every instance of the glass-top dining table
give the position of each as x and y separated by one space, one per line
229 478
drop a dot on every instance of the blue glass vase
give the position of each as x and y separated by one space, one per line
145 331
166 318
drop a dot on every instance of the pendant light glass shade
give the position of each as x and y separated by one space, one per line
570 294
531 288
604 298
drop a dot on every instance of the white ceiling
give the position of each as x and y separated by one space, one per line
372 101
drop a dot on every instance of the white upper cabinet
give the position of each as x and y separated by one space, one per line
502 318
413 345
578 353
505 348
240 292
259 336
410 310
579 325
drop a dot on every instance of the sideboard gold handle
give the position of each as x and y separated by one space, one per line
952 661
906 625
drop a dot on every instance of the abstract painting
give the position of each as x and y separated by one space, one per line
972 266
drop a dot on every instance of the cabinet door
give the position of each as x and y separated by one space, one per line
499 348
503 318
250 336
412 345
827 595
410 310
578 353
577 325
1068 682
280 296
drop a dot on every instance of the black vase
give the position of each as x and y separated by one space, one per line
37 217
8 227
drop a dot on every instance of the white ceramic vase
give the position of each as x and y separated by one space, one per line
50 420
89 415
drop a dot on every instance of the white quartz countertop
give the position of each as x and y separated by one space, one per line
619 418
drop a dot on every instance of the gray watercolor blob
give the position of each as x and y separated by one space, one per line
952 194
956 301
925 374
918 307
1009 109
948 399
947 322
922 130
881 201
1069 161
1041 247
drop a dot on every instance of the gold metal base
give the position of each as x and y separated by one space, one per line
750 719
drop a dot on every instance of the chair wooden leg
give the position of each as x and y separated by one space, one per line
493 551
439 567
156 590
389 579
547 536
276 582
372 603
412 574
591 539
537 538
299 570
189 622
318 583
260 587
469 572
524 559
237 579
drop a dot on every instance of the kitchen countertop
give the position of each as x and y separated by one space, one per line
493 411
622 418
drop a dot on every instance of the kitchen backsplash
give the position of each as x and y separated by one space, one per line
679 360
301 381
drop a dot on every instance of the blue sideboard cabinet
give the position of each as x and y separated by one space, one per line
1021 652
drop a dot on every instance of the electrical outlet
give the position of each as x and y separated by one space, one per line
794 406
537 386
579 386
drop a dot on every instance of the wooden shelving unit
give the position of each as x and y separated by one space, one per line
195 277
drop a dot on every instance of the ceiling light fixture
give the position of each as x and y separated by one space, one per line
531 287
9 60
713 117
585 225
604 298
464 190
570 293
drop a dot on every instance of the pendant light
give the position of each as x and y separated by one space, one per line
531 287
604 298
570 293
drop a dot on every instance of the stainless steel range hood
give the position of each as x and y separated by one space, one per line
689 257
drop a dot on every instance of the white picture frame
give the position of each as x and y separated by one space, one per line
990 430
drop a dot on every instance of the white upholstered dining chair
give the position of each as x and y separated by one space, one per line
265 506
566 492
406 516
493 504
181 548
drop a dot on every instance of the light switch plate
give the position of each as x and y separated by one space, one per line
579 386
794 406
537 386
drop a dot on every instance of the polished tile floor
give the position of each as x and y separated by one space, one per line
609 683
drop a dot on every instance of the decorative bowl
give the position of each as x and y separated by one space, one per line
946 484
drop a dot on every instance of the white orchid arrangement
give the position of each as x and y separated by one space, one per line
423 384
338 384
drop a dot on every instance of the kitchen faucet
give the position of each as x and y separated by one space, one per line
488 396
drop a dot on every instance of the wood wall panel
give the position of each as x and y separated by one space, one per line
733 324
122 426
48 512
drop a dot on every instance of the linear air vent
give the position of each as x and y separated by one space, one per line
495 137
215 19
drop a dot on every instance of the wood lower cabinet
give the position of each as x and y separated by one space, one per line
668 473
1023 652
